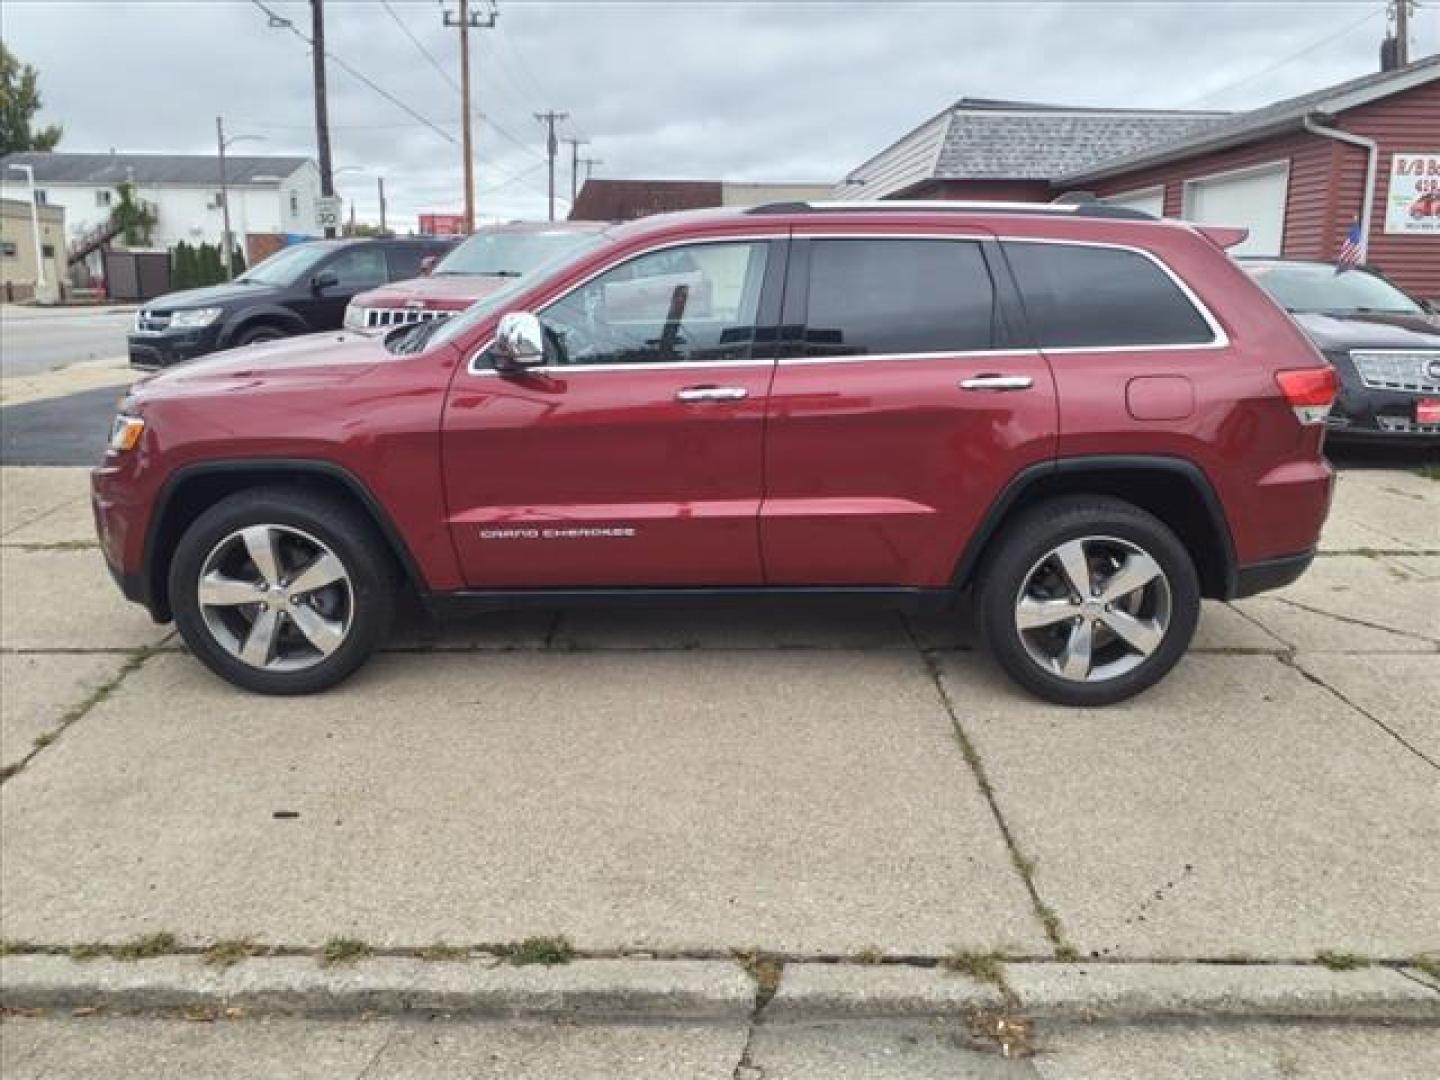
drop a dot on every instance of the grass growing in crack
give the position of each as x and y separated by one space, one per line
88 950
343 950
14 946
94 698
982 967
1336 960
1430 472
538 950
765 970
1428 963
440 951
145 947
872 955
230 951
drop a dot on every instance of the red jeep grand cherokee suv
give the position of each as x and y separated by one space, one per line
1088 418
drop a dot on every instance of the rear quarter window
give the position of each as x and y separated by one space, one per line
1079 296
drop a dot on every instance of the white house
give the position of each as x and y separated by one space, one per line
269 196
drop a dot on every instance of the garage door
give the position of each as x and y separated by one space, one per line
1254 199
1151 200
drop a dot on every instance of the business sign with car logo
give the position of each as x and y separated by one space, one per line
1412 204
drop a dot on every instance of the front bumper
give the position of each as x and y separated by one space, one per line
122 514
1364 413
166 348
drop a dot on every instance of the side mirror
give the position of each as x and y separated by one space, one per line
427 264
519 342
325 279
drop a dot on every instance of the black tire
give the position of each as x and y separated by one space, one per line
1027 539
260 332
349 536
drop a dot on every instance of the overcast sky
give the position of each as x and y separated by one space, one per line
672 90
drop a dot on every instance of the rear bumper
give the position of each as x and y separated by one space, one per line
1271 574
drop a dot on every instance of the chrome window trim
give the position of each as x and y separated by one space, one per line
1219 338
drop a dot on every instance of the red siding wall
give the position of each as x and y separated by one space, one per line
1326 182
1407 123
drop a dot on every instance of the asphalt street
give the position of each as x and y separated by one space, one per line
32 340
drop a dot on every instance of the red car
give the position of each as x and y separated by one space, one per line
484 263
1087 418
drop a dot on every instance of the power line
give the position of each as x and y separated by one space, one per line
417 43
281 22
1306 51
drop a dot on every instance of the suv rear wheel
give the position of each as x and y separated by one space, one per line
1088 600
281 591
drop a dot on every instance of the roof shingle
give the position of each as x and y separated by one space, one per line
188 169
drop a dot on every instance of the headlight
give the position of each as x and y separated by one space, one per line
125 432
354 317
194 318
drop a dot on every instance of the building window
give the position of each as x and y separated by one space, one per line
7 248
102 198
40 197
294 204
47 250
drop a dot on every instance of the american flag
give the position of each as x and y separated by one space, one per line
1352 251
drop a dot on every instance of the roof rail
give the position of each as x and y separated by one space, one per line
1089 209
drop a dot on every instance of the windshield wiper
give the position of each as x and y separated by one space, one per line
412 339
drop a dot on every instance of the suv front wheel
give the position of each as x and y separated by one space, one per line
282 591
1088 600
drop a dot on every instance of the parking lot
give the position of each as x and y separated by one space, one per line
814 784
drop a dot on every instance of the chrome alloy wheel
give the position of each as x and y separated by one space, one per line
1092 609
275 598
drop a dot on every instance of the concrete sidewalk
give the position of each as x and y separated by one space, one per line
814 786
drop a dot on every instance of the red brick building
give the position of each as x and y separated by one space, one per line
1294 173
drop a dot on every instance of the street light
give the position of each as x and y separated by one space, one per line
225 257
29 171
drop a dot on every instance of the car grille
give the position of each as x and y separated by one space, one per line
377 316
1417 371
151 322
1408 427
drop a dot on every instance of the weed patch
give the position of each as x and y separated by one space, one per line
1342 961
538 950
340 950
231 951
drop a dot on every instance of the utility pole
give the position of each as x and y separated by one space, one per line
322 115
590 163
551 147
380 184
575 145
466 20
224 197
1402 32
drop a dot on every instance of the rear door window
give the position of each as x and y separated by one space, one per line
878 297
1081 297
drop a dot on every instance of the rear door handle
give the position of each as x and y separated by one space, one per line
712 393
998 382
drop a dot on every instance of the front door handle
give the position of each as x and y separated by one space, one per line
998 382
712 393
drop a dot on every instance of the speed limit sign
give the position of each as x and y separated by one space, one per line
327 211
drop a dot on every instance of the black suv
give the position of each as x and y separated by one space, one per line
298 290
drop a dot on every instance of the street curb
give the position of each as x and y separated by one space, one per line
716 989
681 989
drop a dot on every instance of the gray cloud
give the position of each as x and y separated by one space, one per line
757 91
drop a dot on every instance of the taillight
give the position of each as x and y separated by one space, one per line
1310 392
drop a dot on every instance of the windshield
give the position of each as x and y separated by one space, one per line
286 266
509 253
450 329
1318 288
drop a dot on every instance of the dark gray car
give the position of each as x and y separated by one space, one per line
1383 343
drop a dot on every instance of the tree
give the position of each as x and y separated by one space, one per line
135 218
182 266
19 102
237 262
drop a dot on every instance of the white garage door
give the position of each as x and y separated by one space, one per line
1254 199
1151 200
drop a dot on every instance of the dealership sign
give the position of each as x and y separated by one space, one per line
1413 203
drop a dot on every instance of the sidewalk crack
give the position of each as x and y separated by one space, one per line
1024 865
1292 662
